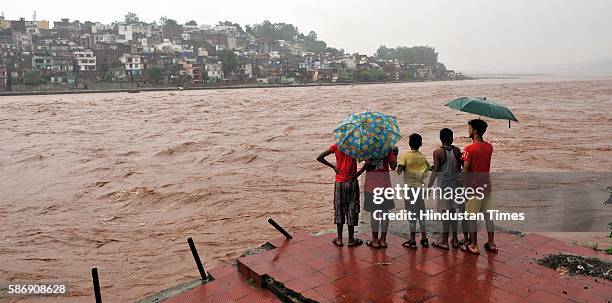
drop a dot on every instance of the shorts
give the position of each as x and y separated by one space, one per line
479 205
417 206
346 202
370 206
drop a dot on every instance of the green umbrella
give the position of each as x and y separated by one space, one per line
483 107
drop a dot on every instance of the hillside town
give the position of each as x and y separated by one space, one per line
132 53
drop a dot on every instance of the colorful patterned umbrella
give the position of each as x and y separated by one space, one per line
367 135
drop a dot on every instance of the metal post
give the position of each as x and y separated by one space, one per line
280 229
196 257
96 283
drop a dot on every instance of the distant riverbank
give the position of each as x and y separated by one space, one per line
212 87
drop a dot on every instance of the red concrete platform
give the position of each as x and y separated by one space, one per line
229 286
316 269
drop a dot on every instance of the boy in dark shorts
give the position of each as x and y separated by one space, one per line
446 171
346 193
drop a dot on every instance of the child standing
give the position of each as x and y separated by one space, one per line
415 167
346 193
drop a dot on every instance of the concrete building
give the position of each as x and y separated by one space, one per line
214 72
42 62
126 33
228 28
132 64
85 61
244 71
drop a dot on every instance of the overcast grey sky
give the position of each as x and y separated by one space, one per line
470 35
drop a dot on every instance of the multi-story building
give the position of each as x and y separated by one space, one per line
214 72
42 62
244 71
198 73
125 33
2 77
132 64
85 61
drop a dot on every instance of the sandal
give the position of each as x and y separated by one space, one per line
455 243
335 241
370 244
491 249
382 245
356 242
464 242
466 248
410 244
425 242
440 246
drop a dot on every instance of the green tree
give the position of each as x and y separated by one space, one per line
409 55
276 31
131 18
370 75
170 22
191 23
312 35
334 51
154 74
345 76
33 78
228 61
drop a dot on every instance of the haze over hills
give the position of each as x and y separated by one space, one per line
601 67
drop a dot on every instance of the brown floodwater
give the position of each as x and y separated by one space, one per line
118 181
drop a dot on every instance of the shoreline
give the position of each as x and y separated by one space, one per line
221 87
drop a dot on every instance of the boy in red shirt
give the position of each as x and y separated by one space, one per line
346 193
476 166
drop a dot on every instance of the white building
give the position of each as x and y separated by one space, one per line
85 60
98 27
232 42
214 72
244 71
126 33
132 64
107 38
229 28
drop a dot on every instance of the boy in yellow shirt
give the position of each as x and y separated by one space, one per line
415 167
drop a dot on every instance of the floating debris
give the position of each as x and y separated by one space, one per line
573 265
